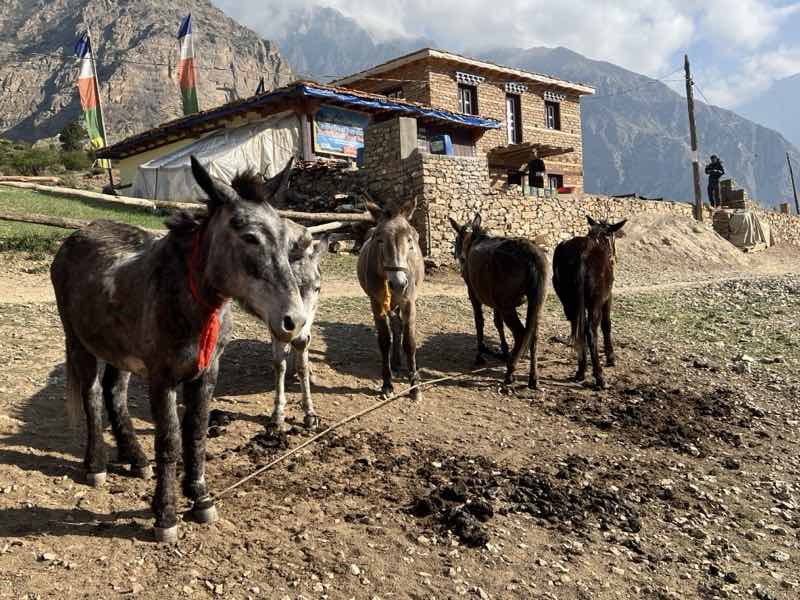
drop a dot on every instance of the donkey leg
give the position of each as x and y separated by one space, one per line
501 331
279 354
85 368
197 397
310 418
591 333
397 342
511 319
611 358
410 346
533 377
477 311
115 394
164 409
385 344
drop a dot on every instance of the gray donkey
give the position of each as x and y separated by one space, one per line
304 258
304 261
160 307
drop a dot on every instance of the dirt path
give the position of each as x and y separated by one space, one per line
679 481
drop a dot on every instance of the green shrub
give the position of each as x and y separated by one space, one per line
73 136
76 160
31 161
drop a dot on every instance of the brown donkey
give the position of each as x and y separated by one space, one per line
583 277
502 273
391 270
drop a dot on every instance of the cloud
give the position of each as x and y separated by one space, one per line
642 35
744 23
757 73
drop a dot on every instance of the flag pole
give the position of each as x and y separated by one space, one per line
100 105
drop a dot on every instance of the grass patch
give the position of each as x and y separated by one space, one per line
41 240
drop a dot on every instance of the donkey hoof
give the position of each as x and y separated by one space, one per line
480 360
387 390
166 535
311 421
600 383
205 515
611 361
96 479
579 376
144 472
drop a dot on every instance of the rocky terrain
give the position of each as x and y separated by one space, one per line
137 56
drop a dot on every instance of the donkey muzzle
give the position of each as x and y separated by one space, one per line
397 278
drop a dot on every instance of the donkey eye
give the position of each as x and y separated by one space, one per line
251 238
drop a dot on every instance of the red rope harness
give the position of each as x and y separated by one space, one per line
209 333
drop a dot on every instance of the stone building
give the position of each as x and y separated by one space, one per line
540 114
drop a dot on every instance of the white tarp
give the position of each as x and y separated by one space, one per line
264 146
743 229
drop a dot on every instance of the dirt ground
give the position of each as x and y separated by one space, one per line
679 481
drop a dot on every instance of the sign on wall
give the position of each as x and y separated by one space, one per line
339 131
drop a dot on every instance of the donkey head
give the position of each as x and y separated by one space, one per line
604 232
397 241
304 259
465 236
247 253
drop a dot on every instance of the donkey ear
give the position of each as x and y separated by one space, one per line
218 192
617 226
277 185
591 221
374 209
321 247
456 227
408 208
476 221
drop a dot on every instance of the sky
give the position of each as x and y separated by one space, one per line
738 48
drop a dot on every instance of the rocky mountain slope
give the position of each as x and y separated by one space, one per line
777 108
323 44
636 132
137 56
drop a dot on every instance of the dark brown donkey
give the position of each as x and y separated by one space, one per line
502 273
391 270
583 277
160 307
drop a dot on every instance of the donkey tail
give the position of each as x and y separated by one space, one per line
73 402
537 292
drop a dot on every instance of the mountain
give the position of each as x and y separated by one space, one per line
136 53
635 132
323 44
777 108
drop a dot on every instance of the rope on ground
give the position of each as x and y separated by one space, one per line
341 423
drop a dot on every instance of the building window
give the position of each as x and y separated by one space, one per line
552 115
513 118
394 93
555 182
467 99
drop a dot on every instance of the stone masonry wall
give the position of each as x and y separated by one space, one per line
458 187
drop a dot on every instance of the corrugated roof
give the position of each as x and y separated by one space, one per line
581 88
209 120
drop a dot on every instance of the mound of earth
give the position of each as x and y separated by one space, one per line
664 248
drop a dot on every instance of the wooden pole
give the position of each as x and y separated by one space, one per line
363 217
100 105
794 186
698 196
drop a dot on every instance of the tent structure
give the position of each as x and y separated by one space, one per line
743 229
264 146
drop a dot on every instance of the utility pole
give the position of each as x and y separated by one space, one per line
794 187
698 196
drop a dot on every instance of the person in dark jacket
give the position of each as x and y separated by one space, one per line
715 171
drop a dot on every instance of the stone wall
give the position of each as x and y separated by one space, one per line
458 187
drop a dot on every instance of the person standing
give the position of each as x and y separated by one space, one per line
715 171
